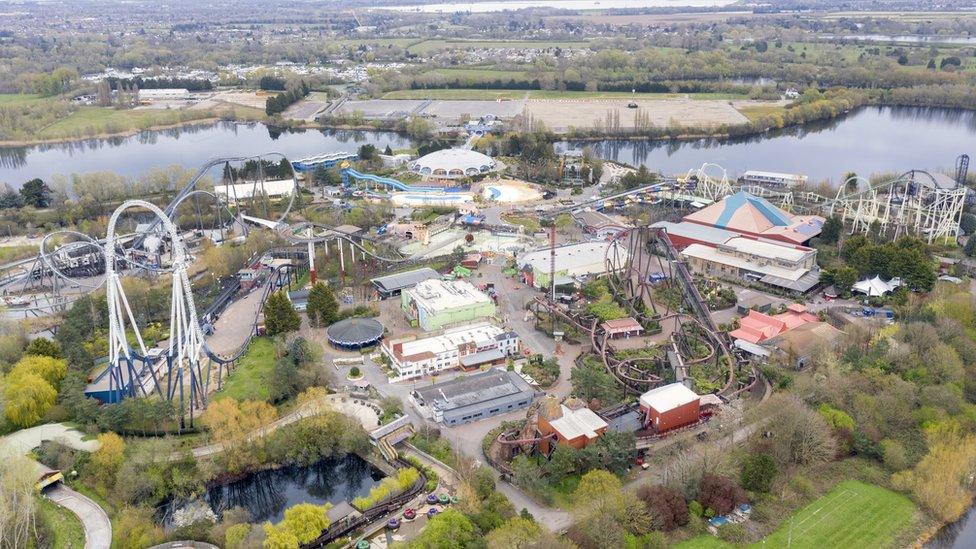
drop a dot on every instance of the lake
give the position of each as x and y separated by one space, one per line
869 140
958 535
190 146
907 38
872 139
266 494
487 7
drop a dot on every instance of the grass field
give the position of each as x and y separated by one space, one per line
13 253
756 112
67 528
493 95
429 46
19 99
530 223
853 514
479 73
249 381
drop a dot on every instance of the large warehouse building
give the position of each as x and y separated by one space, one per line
572 261
471 398
670 407
434 304
468 346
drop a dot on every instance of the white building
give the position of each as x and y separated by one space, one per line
434 304
159 94
241 191
572 261
466 346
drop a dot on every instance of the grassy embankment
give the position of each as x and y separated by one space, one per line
853 514
251 377
32 118
66 527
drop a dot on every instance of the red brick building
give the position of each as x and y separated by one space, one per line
572 423
670 407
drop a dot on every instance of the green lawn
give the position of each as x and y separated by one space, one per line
472 94
99 120
67 528
249 380
853 514
19 98
13 253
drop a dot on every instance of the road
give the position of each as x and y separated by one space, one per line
98 528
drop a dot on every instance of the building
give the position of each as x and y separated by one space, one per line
685 234
800 344
325 161
160 94
272 189
433 304
392 285
473 397
775 179
790 267
751 215
298 299
453 164
467 347
572 261
355 333
670 407
756 327
622 328
599 224
570 423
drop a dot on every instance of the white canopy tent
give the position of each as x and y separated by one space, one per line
875 287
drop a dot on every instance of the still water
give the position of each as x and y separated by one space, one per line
266 494
907 38
958 535
486 7
870 140
191 146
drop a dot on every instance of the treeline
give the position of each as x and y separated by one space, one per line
190 84
272 83
278 103
496 84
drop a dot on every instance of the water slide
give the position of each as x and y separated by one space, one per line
349 173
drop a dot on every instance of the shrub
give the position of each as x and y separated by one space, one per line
758 472
391 486
720 493
355 372
732 533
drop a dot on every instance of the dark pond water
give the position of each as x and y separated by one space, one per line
909 38
958 535
190 146
869 140
266 494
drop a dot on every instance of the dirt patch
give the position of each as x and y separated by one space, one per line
251 99
562 114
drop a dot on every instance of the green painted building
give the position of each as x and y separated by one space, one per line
434 304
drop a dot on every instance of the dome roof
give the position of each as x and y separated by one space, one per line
355 332
453 164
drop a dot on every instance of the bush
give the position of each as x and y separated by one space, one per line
355 372
720 494
732 533
390 486
758 472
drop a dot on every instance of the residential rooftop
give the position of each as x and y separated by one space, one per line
417 349
474 389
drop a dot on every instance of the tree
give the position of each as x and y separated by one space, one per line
522 533
135 528
302 523
447 530
235 427
28 398
323 307
43 346
51 370
280 315
970 248
758 472
667 507
844 279
17 500
595 485
367 152
235 535
105 461
720 494
388 151
799 435
940 481
36 193
831 230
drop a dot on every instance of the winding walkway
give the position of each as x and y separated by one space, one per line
98 527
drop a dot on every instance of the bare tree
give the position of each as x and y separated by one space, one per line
17 475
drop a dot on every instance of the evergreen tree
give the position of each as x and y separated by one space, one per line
323 307
279 315
36 193
388 151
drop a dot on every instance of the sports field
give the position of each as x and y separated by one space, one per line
853 514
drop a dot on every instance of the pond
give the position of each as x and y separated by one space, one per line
958 535
907 38
190 146
505 5
266 494
869 140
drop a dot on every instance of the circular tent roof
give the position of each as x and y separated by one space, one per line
355 332
453 164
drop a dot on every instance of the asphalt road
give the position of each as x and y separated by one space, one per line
98 528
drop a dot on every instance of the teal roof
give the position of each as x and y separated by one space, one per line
732 204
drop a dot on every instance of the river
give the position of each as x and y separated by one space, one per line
870 140
266 494
506 5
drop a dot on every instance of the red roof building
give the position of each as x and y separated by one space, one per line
622 327
670 407
756 327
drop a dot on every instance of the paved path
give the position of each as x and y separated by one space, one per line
98 528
